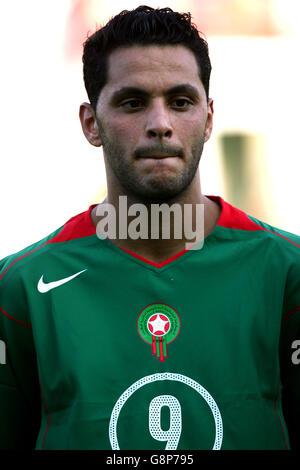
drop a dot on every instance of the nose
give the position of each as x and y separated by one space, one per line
158 123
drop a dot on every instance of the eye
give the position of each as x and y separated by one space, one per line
132 104
181 103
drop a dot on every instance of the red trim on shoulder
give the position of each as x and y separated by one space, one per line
232 217
21 258
282 236
79 226
1 309
19 321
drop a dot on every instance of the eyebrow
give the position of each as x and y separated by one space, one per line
184 88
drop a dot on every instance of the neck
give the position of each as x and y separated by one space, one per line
158 234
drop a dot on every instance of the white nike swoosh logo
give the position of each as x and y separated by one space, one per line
45 287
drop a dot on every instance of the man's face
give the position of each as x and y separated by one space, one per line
153 119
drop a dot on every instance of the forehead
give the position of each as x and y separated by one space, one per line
152 67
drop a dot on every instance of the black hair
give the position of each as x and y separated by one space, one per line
141 26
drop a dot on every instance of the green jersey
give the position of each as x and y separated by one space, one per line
107 350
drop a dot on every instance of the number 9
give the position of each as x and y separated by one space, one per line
172 435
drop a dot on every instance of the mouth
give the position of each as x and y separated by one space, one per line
159 157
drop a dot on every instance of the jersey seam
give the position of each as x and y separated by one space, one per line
47 412
21 257
282 236
15 319
277 393
13 262
290 314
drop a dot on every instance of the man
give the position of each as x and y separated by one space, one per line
125 342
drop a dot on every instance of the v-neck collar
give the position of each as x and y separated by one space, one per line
81 225
169 261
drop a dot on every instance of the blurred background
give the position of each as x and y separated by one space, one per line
48 170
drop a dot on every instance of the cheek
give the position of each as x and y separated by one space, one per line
193 119
124 130
189 128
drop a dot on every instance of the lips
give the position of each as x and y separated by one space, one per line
159 157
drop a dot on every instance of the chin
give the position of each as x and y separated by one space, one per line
158 190
159 196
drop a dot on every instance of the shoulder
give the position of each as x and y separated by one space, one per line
238 220
20 271
282 238
14 265
12 279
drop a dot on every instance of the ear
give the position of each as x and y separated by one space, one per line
209 121
89 124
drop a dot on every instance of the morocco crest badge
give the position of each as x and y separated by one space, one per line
158 325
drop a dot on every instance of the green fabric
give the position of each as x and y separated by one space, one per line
76 349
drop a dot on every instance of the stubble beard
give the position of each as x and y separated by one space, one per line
149 190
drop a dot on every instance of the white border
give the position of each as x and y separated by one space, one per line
165 376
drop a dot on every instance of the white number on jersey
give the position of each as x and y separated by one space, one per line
172 435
